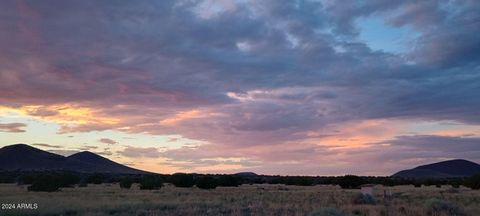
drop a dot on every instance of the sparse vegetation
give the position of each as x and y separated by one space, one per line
363 199
437 207
326 212
266 199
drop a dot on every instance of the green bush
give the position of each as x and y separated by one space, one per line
126 183
473 182
228 181
46 183
151 182
436 207
363 199
66 179
206 182
350 181
182 180
96 178
326 212
299 180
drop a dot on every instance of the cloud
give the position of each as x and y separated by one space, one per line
46 145
138 152
88 148
107 141
42 111
240 76
12 127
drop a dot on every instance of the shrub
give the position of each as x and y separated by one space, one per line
151 182
96 178
473 182
455 185
206 182
66 179
228 181
25 179
299 180
182 180
46 183
326 212
350 181
126 183
436 206
360 198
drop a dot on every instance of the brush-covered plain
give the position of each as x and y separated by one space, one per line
264 199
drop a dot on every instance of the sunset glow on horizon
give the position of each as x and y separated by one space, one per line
308 87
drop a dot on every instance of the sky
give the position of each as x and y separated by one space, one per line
313 87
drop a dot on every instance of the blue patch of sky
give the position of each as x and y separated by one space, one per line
380 36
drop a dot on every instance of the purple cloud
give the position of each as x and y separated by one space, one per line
252 75
12 127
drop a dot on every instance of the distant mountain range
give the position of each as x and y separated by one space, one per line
22 157
444 169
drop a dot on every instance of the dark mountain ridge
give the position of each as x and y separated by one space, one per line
444 169
22 157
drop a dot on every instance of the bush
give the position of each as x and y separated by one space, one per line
363 199
46 183
473 182
151 182
25 179
206 182
299 181
228 181
437 207
182 180
67 179
96 178
326 212
350 181
126 183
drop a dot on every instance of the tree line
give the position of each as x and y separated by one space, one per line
55 180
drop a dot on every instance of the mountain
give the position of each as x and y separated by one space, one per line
444 169
101 164
22 157
246 174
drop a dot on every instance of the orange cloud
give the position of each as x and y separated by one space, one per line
186 115
62 114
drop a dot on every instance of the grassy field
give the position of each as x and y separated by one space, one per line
109 199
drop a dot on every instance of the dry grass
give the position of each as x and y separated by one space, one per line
244 200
